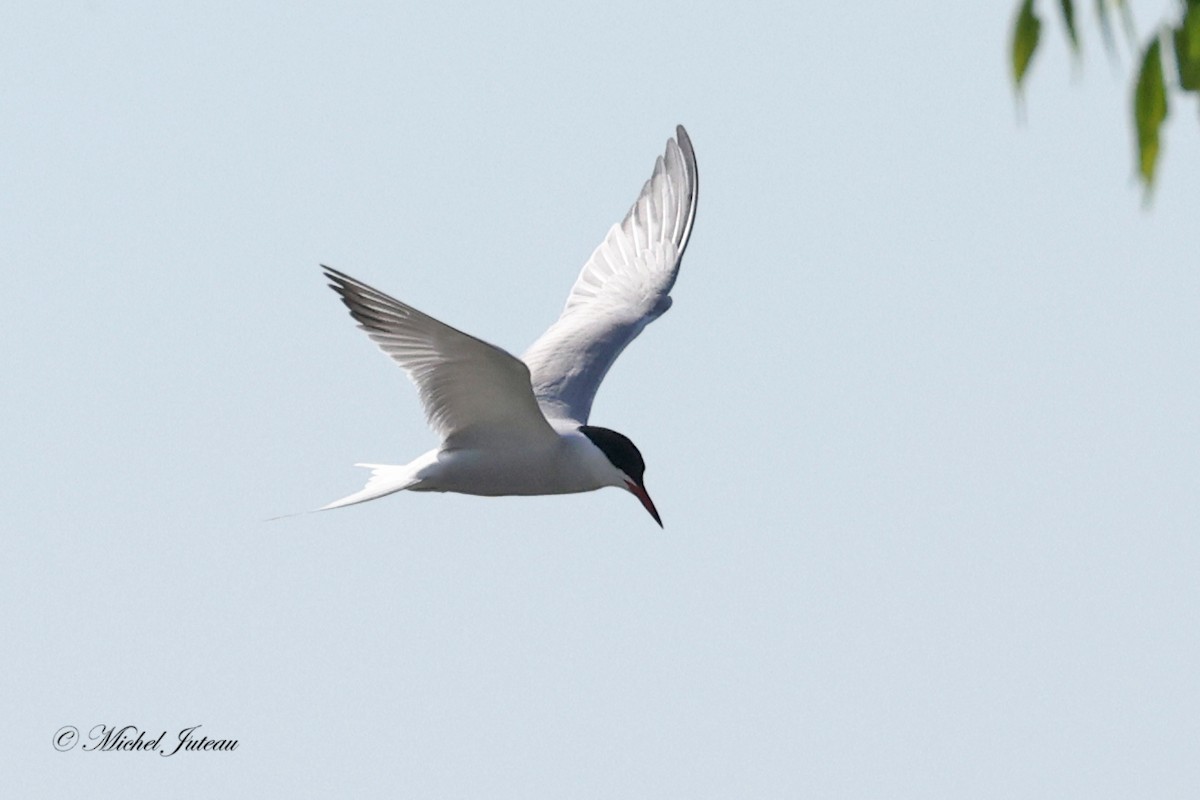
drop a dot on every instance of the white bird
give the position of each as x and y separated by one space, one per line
514 426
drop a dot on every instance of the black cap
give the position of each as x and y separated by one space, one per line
623 454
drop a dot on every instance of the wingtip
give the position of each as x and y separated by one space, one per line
334 274
692 172
685 145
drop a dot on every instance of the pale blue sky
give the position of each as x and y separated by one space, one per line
922 423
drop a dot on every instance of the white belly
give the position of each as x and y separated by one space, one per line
564 467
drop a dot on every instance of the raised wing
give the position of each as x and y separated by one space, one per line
624 287
472 391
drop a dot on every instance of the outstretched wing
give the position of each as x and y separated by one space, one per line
624 286
472 391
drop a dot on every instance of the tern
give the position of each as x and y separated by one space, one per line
519 426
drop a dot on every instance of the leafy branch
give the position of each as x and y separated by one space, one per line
1150 88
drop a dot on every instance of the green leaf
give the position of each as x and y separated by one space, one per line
1187 48
1149 110
1068 12
1026 31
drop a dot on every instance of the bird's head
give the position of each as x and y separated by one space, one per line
626 460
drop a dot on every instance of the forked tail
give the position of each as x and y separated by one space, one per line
385 479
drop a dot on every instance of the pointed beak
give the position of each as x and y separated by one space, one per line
640 493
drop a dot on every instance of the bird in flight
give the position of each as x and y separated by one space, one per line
519 426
